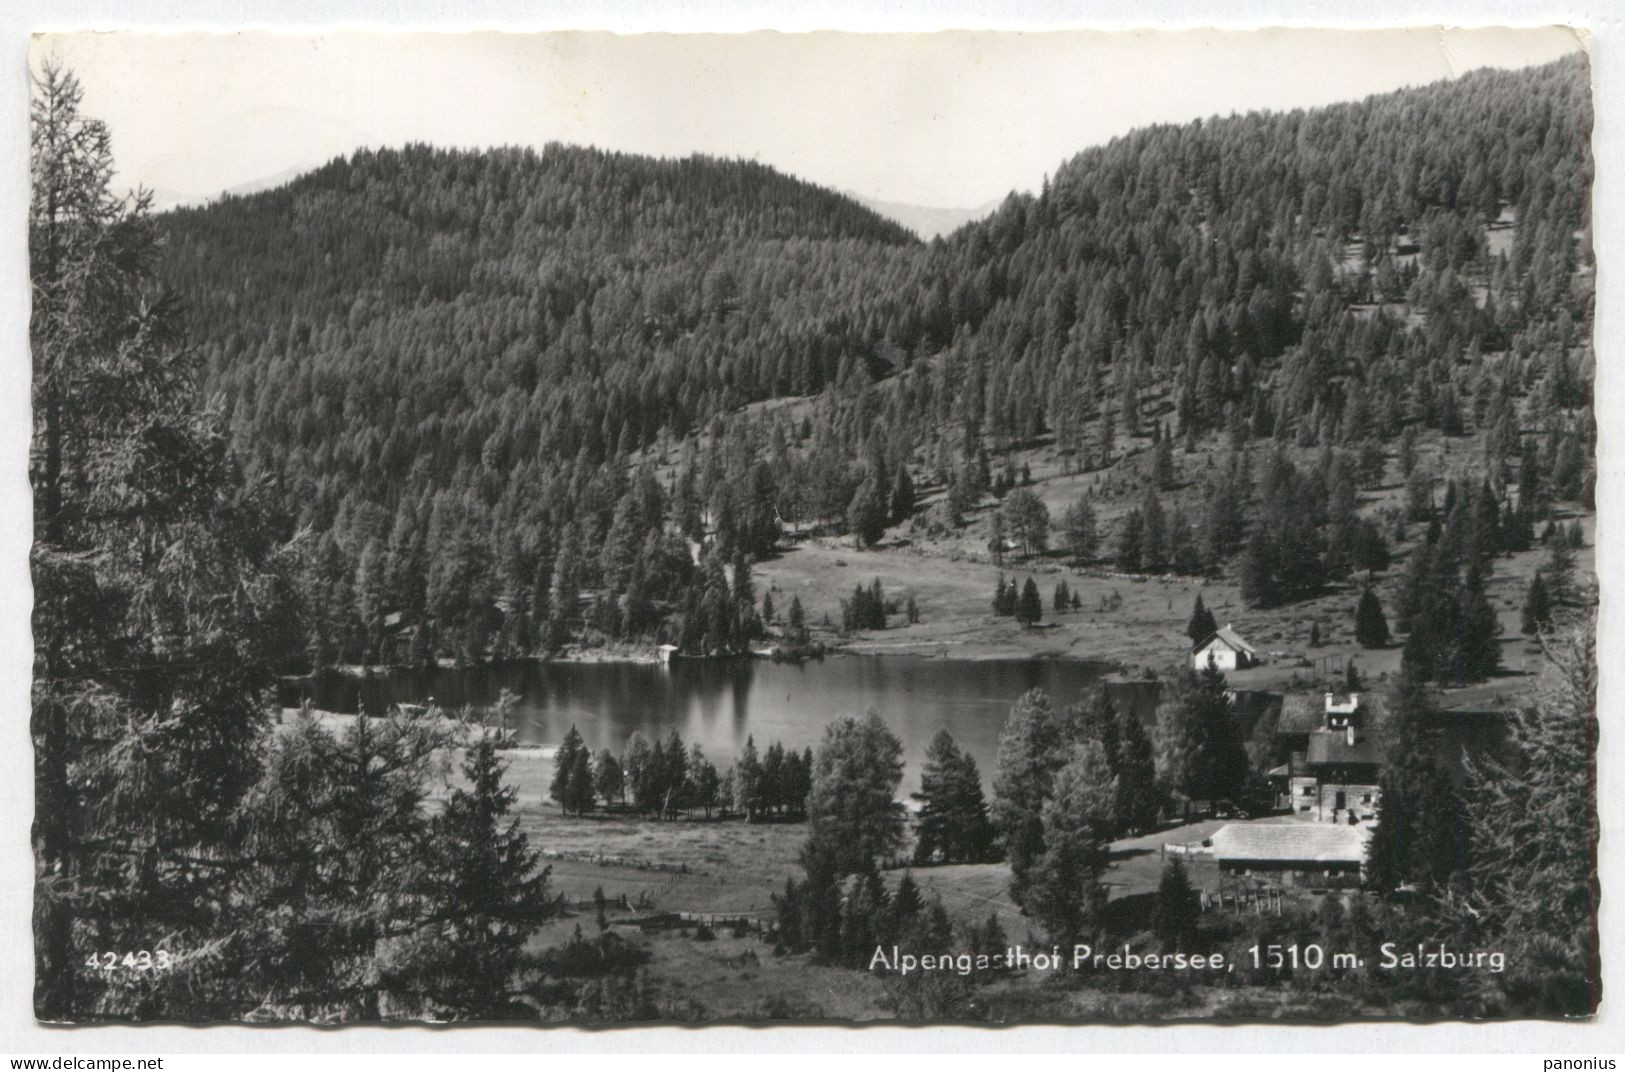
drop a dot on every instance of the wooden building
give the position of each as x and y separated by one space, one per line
1334 755
1312 855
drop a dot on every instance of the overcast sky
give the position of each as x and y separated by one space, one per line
947 119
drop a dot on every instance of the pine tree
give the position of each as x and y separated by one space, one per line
1532 868
1081 532
1029 746
1067 895
1421 835
866 517
163 598
953 821
852 810
902 496
579 792
1478 635
609 780
565 789
1200 753
1537 606
1202 624
1000 607
337 859
1559 573
1370 624
906 905
1177 911
1138 800
485 885
1030 605
1026 518
749 783
795 622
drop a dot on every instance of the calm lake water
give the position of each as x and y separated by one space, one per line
720 703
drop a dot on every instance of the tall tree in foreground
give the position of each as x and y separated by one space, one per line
160 590
1068 896
1422 834
1533 865
486 896
336 861
1029 746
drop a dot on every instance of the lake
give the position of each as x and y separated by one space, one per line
718 703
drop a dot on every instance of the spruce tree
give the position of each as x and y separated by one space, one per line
1138 800
1030 745
1081 532
852 809
1030 605
1000 608
1532 868
1177 912
1421 835
1478 632
486 888
163 597
953 821
1067 894
1202 624
565 789
609 781
1559 573
1537 606
1370 624
795 622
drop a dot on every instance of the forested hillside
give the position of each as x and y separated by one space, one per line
489 382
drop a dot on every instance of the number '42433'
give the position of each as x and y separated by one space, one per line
141 960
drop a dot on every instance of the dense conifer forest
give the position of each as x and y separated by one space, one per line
491 382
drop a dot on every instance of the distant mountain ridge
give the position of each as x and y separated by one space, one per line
927 221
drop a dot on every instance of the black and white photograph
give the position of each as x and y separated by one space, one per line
970 528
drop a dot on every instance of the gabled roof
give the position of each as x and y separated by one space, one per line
1330 746
1300 713
1291 843
1230 639
1305 712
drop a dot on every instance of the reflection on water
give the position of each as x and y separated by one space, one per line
719 702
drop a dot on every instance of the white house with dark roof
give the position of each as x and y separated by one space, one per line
1224 650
